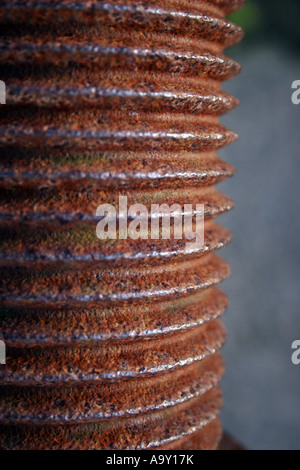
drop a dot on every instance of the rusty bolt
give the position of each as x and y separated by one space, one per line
111 344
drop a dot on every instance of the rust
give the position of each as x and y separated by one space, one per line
111 344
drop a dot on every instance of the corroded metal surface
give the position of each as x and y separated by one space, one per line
111 344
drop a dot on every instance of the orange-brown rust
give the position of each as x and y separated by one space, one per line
111 344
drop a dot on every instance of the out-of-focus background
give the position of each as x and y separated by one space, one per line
262 386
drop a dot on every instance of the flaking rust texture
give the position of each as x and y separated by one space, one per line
111 344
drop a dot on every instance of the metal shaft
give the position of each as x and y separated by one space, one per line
111 344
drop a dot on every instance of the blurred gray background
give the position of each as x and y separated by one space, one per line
262 386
